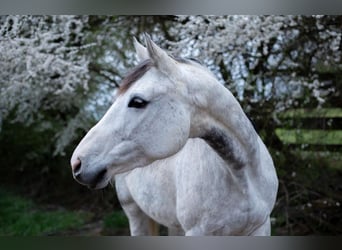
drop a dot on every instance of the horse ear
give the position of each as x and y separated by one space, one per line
140 50
160 58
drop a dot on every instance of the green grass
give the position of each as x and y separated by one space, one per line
115 223
116 219
21 217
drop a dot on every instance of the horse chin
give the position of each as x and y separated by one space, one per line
99 185
102 183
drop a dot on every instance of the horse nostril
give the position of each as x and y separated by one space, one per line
76 167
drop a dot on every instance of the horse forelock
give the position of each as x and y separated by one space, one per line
142 68
135 75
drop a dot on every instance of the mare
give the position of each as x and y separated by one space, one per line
182 152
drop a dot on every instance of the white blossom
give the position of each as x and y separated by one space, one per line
39 63
41 68
241 43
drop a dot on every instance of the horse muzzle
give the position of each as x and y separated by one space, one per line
93 179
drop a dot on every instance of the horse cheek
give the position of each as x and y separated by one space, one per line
166 136
176 132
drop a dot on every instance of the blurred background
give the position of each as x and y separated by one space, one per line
59 74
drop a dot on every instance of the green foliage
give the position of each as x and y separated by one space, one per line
308 200
309 169
115 219
21 217
312 113
115 223
304 136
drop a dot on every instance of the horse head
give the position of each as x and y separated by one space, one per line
149 120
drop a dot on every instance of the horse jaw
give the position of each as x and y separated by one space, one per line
127 138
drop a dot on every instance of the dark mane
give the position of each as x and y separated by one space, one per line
135 75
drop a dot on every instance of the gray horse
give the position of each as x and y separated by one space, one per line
182 152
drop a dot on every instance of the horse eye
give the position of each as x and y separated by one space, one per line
137 102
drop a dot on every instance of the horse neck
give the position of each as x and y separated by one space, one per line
219 120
